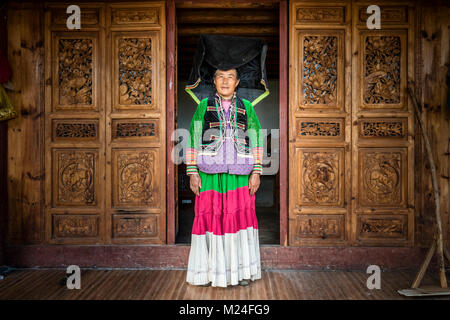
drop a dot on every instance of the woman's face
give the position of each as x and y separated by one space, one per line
226 82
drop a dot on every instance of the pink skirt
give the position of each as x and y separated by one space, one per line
225 240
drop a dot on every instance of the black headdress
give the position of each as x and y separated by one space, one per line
247 55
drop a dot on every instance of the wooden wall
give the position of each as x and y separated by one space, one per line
25 133
3 143
434 61
25 137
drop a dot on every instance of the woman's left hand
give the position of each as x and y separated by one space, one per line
253 183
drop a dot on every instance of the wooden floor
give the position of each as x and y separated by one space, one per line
170 284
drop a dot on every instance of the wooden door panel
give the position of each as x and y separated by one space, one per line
319 135
74 127
75 178
382 227
75 130
382 177
135 226
135 130
350 135
382 136
392 13
321 66
316 129
105 124
321 178
382 130
92 15
308 229
135 62
136 178
76 72
318 204
135 146
382 69
80 228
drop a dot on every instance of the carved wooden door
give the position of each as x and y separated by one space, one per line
105 124
350 125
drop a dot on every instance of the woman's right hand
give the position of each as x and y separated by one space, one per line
196 183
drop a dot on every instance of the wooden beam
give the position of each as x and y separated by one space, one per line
243 30
170 120
273 51
193 39
3 145
273 43
25 133
231 16
227 4
283 96
187 58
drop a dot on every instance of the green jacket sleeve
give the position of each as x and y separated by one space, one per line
255 135
194 139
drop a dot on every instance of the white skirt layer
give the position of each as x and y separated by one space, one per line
224 259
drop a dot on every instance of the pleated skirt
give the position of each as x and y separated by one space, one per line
225 241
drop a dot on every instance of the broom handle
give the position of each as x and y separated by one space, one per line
440 250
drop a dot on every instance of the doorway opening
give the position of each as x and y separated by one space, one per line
261 22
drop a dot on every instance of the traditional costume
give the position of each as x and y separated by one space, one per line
225 147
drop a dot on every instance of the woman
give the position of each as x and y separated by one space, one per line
224 158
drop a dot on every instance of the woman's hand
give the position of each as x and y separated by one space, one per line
253 183
195 183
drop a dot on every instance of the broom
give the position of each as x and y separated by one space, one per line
437 243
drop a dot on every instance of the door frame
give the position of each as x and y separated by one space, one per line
171 101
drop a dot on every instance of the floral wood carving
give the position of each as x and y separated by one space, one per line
382 227
381 176
383 129
135 71
128 129
75 72
382 70
320 129
317 226
75 226
135 178
89 16
388 14
318 14
320 70
123 16
320 178
75 130
76 172
135 227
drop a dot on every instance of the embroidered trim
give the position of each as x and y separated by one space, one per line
214 137
244 155
214 145
214 124
191 156
210 153
240 110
